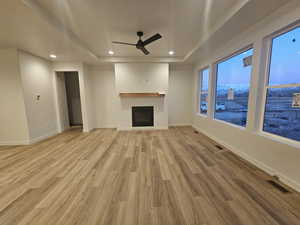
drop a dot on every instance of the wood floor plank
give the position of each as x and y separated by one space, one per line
162 177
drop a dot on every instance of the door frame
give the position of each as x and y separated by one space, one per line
71 67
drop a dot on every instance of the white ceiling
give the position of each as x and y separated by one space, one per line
82 30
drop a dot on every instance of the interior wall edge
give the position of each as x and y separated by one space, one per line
23 95
36 77
14 126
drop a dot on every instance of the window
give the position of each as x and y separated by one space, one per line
232 90
203 92
282 108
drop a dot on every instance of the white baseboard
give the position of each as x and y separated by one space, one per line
13 143
180 124
141 128
107 127
43 137
286 180
86 131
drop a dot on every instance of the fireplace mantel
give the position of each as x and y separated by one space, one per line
145 94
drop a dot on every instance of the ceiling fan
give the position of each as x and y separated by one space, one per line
141 44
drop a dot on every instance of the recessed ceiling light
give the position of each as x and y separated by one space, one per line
111 52
171 52
53 56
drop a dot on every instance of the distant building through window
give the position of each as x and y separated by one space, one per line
203 92
232 89
282 109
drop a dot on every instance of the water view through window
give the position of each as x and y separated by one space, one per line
204 83
232 91
282 111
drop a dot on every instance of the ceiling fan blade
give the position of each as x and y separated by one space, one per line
122 43
144 50
151 39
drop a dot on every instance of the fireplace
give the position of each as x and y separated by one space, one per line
142 116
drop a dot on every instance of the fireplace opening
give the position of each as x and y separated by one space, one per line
143 116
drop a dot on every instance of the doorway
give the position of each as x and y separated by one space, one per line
69 101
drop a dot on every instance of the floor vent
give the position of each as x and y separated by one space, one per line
219 147
278 187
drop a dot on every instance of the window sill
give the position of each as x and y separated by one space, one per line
277 138
230 124
202 115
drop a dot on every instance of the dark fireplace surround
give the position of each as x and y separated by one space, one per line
142 116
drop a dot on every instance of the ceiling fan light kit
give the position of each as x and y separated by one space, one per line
140 45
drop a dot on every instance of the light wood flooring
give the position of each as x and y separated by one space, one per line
174 177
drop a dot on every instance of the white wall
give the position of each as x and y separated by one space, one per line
180 95
13 128
37 80
142 77
105 97
275 157
88 83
